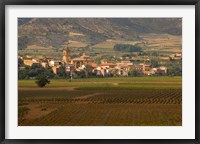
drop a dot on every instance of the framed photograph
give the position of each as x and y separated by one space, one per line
99 71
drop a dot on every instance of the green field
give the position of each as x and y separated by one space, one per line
139 101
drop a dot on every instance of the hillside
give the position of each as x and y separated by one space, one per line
83 32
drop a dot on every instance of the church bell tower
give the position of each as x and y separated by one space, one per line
66 55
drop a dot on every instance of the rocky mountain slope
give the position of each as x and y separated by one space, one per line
56 32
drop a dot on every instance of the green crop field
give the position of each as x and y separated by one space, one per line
138 101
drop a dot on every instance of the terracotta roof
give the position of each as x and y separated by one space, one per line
77 59
107 64
85 56
144 64
146 72
178 55
93 64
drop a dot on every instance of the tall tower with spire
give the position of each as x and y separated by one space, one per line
66 54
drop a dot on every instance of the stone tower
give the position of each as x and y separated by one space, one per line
66 56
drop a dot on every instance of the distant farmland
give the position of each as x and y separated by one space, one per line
141 101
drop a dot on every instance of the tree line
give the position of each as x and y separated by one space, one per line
127 48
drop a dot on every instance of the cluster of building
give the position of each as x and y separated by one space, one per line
105 68
176 56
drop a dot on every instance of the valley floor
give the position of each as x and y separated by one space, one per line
139 101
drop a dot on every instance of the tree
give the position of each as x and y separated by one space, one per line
32 73
23 74
48 73
88 70
80 74
155 63
174 68
134 73
155 54
175 71
41 80
20 62
62 72
127 48
114 73
36 66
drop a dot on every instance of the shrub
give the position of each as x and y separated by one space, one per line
42 80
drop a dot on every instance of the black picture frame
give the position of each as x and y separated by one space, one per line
3 4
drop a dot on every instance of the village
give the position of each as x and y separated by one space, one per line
99 71
86 65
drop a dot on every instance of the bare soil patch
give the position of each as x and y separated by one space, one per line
37 112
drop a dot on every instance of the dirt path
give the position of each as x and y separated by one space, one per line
87 96
36 111
48 88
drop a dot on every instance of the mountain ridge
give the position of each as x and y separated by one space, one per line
56 32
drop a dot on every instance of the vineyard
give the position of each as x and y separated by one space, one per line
115 102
